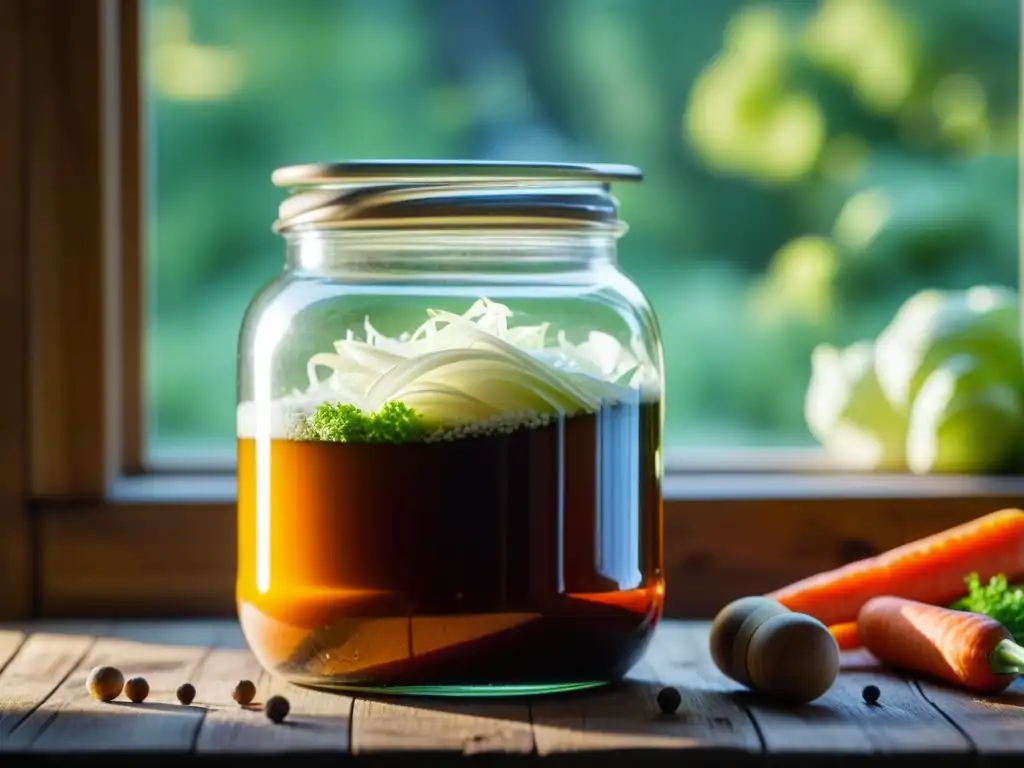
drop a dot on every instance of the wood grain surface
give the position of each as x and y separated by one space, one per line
46 711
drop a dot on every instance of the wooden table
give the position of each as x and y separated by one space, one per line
45 709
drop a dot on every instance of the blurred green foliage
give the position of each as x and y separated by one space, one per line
808 165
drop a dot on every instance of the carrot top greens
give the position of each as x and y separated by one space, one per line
395 422
998 599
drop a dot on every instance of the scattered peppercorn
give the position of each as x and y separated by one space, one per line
871 694
669 700
136 689
186 693
277 708
105 683
244 692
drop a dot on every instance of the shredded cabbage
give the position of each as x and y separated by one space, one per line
458 370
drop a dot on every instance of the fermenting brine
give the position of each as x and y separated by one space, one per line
449 434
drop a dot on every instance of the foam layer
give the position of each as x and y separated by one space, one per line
503 424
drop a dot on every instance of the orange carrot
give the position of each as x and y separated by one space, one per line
931 570
967 649
846 634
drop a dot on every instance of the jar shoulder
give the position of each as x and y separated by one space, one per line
606 301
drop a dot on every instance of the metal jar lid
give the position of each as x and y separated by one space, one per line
426 194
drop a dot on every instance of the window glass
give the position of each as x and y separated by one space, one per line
809 166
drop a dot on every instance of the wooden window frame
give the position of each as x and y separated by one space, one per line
86 529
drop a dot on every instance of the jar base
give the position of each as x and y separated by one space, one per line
456 691
474 655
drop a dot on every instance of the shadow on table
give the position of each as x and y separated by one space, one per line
810 711
116 727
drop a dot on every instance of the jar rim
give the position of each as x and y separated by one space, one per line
450 194
347 172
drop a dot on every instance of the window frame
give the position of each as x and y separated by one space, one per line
88 529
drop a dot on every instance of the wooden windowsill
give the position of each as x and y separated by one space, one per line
677 486
165 545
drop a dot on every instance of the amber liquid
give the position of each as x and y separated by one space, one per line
523 559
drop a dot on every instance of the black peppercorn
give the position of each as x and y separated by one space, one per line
871 694
137 689
669 700
186 693
244 692
277 708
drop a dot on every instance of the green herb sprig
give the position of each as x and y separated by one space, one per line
395 422
998 599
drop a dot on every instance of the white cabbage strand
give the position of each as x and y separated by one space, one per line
459 369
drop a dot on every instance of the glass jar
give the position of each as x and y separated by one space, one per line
449 434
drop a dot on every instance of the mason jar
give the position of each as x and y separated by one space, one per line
450 407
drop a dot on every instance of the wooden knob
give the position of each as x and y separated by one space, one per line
731 632
792 656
